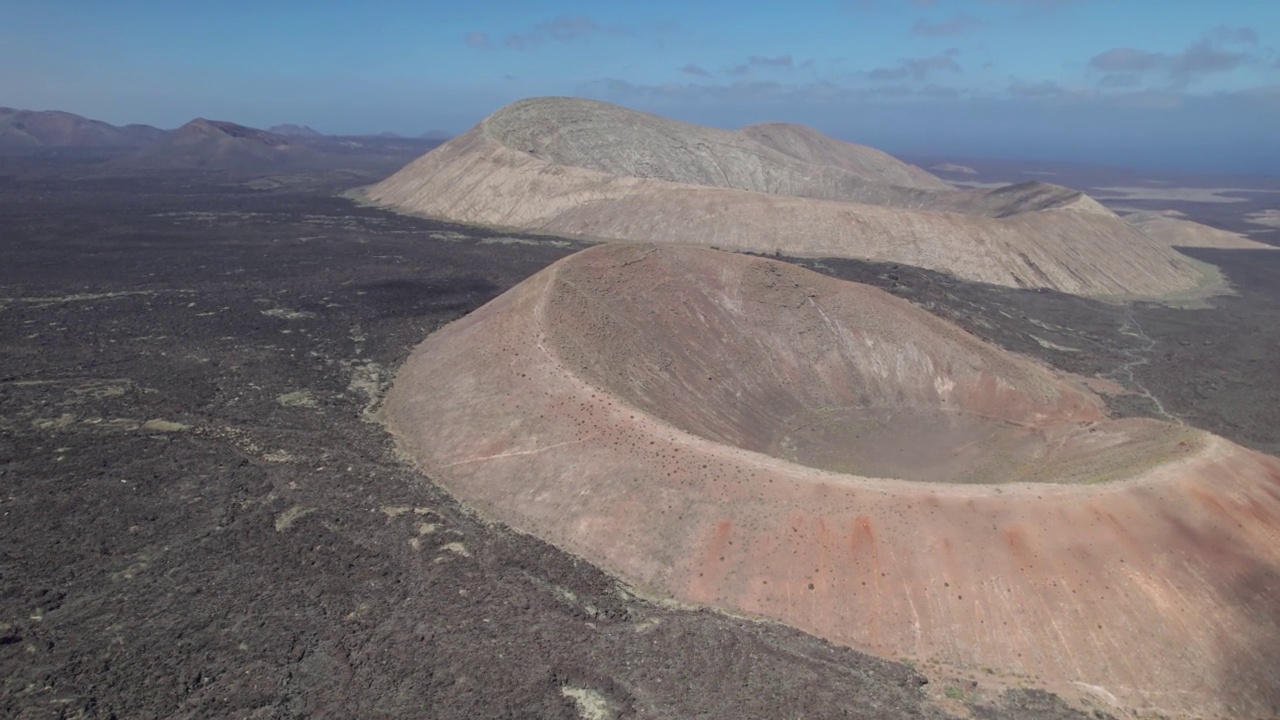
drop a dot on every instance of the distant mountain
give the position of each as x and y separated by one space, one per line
949 167
440 135
290 130
226 147
219 145
137 132
202 145
30 130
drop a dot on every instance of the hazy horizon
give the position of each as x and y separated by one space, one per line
1192 88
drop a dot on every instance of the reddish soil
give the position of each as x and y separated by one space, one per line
648 408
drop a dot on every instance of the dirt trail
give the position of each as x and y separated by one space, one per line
1137 358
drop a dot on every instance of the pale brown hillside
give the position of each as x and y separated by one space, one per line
811 146
1185 233
600 171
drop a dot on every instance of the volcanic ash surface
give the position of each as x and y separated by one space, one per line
747 434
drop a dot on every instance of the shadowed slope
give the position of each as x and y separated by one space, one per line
590 169
665 412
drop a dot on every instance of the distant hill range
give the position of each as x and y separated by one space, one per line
289 130
200 145
949 167
29 130
206 144
214 145
599 171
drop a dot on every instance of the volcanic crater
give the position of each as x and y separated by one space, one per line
742 433
832 375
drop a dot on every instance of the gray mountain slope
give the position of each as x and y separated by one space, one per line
598 136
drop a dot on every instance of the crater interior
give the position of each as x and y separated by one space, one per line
780 361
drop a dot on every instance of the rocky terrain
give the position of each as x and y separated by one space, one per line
205 516
201 518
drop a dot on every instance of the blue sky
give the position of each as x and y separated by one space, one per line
1163 83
